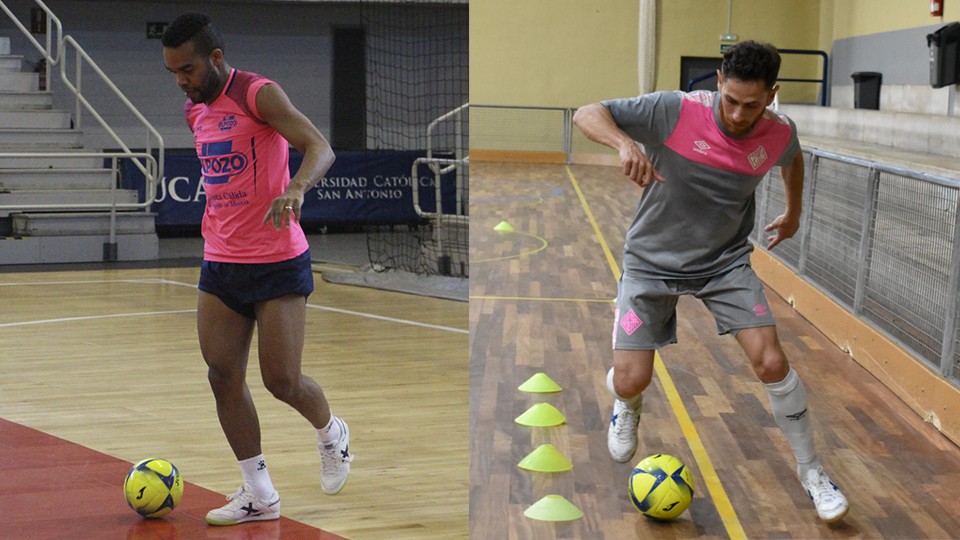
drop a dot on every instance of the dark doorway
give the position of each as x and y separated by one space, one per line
348 129
693 67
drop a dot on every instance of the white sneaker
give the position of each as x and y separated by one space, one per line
622 434
244 506
335 461
831 504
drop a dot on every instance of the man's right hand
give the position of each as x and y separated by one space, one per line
637 166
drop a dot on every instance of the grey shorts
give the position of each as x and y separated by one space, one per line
646 311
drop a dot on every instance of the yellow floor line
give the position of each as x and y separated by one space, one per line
536 299
543 246
596 228
727 514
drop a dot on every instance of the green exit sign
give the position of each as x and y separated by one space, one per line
155 29
725 46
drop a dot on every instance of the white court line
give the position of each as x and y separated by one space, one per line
193 286
91 317
390 319
88 281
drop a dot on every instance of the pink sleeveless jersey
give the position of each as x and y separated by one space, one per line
245 165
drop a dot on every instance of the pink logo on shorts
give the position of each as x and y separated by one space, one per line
760 310
630 322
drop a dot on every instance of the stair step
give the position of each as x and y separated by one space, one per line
19 81
21 179
36 139
22 101
38 197
11 62
77 248
35 119
54 159
81 223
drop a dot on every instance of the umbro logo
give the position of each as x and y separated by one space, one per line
701 147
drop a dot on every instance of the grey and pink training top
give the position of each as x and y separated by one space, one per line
697 223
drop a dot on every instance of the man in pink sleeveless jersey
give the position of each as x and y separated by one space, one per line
703 155
256 270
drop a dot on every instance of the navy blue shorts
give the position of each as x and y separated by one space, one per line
240 286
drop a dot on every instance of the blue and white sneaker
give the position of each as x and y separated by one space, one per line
335 461
245 506
622 433
831 505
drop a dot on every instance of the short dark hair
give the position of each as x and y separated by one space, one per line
195 27
751 61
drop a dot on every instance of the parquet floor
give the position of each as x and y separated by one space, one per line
541 301
102 369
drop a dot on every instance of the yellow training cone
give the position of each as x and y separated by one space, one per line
553 508
539 383
546 458
503 226
541 415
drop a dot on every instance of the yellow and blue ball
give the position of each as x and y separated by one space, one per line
153 487
661 486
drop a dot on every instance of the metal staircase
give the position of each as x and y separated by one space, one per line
59 201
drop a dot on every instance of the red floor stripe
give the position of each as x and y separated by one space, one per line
52 488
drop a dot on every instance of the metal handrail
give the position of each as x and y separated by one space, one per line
459 132
150 166
414 176
114 157
47 48
76 89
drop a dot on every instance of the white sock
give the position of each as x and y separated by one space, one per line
788 399
254 471
634 403
330 433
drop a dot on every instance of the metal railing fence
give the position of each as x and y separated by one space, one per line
881 241
54 51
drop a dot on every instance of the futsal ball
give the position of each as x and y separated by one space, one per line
153 487
661 486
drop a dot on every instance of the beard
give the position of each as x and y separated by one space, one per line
208 89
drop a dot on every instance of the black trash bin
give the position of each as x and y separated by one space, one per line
944 47
866 90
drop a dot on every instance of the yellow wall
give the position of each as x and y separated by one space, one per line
693 28
552 53
564 53
862 17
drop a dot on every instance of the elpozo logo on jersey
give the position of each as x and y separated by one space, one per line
218 162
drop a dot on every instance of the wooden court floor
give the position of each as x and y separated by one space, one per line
102 369
540 301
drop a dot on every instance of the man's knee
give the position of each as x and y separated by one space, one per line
282 386
628 380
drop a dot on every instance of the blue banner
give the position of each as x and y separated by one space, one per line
360 187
